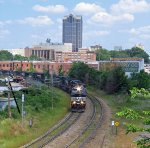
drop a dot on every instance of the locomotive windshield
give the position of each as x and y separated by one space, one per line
78 95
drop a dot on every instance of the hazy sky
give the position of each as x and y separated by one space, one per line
106 22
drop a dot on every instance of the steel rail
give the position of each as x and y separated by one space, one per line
54 132
97 110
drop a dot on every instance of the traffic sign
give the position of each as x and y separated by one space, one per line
116 123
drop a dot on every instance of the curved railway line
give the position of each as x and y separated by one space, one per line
54 132
82 138
90 129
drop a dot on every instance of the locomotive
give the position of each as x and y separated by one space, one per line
78 97
77 91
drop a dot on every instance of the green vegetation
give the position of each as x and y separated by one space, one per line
132 115
5 55
129 97
110 81
38 106
104 54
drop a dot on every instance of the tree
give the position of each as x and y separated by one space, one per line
5 55
119 54
141 116
34 58
140 80
102 54
79 71
19 57
138 52
116 81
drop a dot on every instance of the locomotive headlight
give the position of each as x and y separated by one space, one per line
78 88
82 102
74 102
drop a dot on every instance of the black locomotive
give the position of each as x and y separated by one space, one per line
78 97
77 92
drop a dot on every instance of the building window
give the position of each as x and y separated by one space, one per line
3 65
38 66
34 66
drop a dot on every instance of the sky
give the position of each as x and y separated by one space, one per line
107 22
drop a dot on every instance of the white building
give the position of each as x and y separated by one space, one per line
66 47
19 51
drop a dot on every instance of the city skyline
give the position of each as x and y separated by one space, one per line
108 23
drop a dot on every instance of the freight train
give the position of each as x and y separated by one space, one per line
77 92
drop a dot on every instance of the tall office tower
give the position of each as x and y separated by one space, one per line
72 31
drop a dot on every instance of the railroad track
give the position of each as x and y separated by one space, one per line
54 132
90 129
86 134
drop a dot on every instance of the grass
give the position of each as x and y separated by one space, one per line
13 135
117 102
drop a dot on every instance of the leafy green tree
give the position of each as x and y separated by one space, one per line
119 54
141 116
140 80
5 55
116 81
138 52
102 54
19 57
79 71
132 128
34 58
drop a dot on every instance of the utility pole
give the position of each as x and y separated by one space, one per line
9 110
52 88
22 108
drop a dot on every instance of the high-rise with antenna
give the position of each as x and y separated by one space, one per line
72 31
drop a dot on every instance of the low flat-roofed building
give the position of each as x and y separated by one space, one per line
129 65
75 56
46 51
